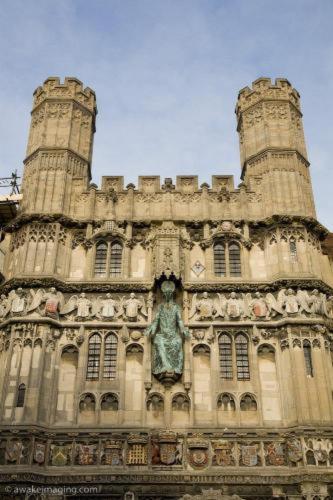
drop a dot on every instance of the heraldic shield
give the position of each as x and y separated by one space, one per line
275 454
223 453
249 455
39 453
59 455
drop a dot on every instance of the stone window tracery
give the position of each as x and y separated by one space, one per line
102 357
109 402
226 402
87 402
155 403
227 259
181 402
248 403
108 259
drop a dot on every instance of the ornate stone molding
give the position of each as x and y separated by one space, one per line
121 286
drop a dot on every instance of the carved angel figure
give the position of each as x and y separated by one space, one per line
18 302
132 307
52 299
83 306
80 303
105 308
317 303
291 302
259 307
204 308
235 307
275 305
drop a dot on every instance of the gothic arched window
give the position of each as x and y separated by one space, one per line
108 259
110 356
242 357
115 259
225 355
227 259
20 396
219 260
234 260
94 357
308 358
100 259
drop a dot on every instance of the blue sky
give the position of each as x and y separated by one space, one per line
166 74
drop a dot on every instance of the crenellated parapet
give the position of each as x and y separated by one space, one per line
72 88
263 89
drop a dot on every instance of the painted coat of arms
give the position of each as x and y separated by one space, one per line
197 451
294 449
112 454
59 455
137 451
223 453
39 453
249 455
86 454
168 447
275 453
13 451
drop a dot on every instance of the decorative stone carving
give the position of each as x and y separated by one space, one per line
137 450
249 455
166 449
198 447
132 309
224 453
105 308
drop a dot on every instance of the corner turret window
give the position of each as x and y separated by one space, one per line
293 250
308 358
108 259
20 396
227 260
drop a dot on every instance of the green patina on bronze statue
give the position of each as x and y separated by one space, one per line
167 332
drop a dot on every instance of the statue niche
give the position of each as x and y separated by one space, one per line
167 332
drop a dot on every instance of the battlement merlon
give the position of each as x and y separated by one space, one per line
186 184
72 88
264 89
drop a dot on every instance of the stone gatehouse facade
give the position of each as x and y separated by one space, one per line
250 411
